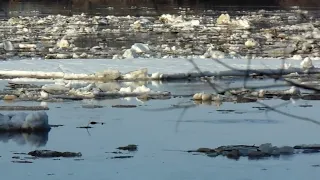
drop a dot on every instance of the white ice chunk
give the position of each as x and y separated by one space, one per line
140 48
24 121
142 89
7 45
296 57
126 90
36 120
306 63
63 43
138 74
250 43
110 86
44 95
156 75
223 19
17 120
293 90
129 54
54 87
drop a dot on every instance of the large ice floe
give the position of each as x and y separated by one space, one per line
23 122
113 79
152 69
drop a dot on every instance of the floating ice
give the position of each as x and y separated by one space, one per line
261 93
306 63
35 121
108 74
126 90
141 23
250 43
138 74
129 54
286 150
27 46
44 95
44 104
7 45
286 66
9 97
178 21
316 33
266 148
296 57
141 89
63 43
111 86
53 88
156 75
206 97
63 56
211 53
89 87
197 96
223 19
293 91
80 92
4 122
170 19
202 97
242 23
140 48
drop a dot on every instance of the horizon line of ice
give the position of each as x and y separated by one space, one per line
151 69
141 74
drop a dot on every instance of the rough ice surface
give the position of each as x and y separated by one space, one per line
224 19
59 36
138 74
135 51
114 69
34 121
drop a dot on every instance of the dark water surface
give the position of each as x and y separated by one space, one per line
157 133
9 8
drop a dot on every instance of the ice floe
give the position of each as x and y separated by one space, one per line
34 121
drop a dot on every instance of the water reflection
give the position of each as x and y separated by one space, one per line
134 7
37 139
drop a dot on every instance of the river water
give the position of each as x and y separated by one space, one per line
159 134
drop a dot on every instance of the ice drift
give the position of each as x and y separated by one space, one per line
35 121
